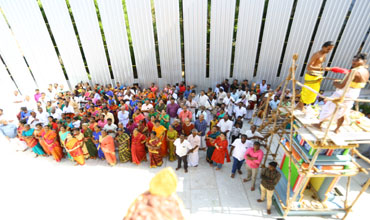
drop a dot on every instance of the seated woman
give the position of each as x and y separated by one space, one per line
154 146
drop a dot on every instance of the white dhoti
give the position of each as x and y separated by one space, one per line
203 142
249 114
327 110
193 159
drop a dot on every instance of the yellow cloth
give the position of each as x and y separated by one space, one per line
314 82
357 85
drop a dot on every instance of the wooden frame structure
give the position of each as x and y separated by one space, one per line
319 144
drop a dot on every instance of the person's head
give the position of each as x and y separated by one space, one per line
194 132
46 128
109 121
119 131
1 111
359 60
37 91
33 114
223 136
24 109
172 100
327 46
68 119
237 125
50 118
27 127
182 137
243 138
202 92
97 128
104 133
263 82
226 117
256 145
39 126
153 134
201 117
84 126
187 121
253 128
214 129
40 110
240 104
275 98
157 123
63 128
171 128
272 165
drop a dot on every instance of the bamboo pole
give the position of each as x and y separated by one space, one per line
361 156
366 185
347 192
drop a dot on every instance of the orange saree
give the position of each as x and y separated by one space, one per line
53 145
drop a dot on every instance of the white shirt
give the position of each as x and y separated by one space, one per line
225 125
111 127
43 117
263 88
203 100
194 141
240 149
228 101
123 117
250 134
182 148
240 111
253 98
76 124
68 109
221 97
146 107
32 121
191 105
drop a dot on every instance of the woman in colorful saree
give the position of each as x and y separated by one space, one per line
220 151
154 146
124 151
73 147
160 131
63 133
97 136
137 147
107 145
88 141
31 141
51 140
210 138
171 137
39 131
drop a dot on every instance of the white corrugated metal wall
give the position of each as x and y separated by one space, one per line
31 34
7 87
32 40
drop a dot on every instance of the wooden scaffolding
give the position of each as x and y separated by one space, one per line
303 146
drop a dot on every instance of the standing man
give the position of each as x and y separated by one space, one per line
182 148
238 149
270 177
361 76
201 126
110 128
146 107
123 116
225 125
253 134
185 114
172 108
194 140
314 74
240 111
253 158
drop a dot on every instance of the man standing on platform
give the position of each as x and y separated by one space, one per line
270 177
314 75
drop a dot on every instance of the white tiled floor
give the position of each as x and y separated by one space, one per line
43 189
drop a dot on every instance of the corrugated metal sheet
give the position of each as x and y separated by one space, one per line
113 20
168 33
7 87
222 27
366 49
276 24
303 25
30 31
353 35
249 22
195 39
13 57
329 27
60 23
141 26
87 24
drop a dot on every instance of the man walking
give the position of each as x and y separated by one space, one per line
270 177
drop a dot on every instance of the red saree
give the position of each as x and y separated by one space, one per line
137 148
38 135
53 145
219 153
107 145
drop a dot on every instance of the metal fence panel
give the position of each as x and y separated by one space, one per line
141 26
60 23
222 28
86 19
168 32
195 40
249 22
33 38
276 24
352 38
113 20
13 58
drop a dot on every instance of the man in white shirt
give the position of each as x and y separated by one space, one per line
225 125
32 120
108 115
192 105
182 148
274 103
263 86
229 103
56 113
203 99
68 109
110 128
240 111
123 116
238 149
221 96
253 134
194 140
28 103
42 116
252 99
146 107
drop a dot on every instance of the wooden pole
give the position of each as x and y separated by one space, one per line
347 192
366 185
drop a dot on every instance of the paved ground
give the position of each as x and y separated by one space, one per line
43 189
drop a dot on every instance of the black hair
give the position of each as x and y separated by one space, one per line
361 56
157 121
109 119
243 136
257 143
328 43
273 164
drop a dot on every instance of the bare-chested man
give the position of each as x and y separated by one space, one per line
361 76
314 74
